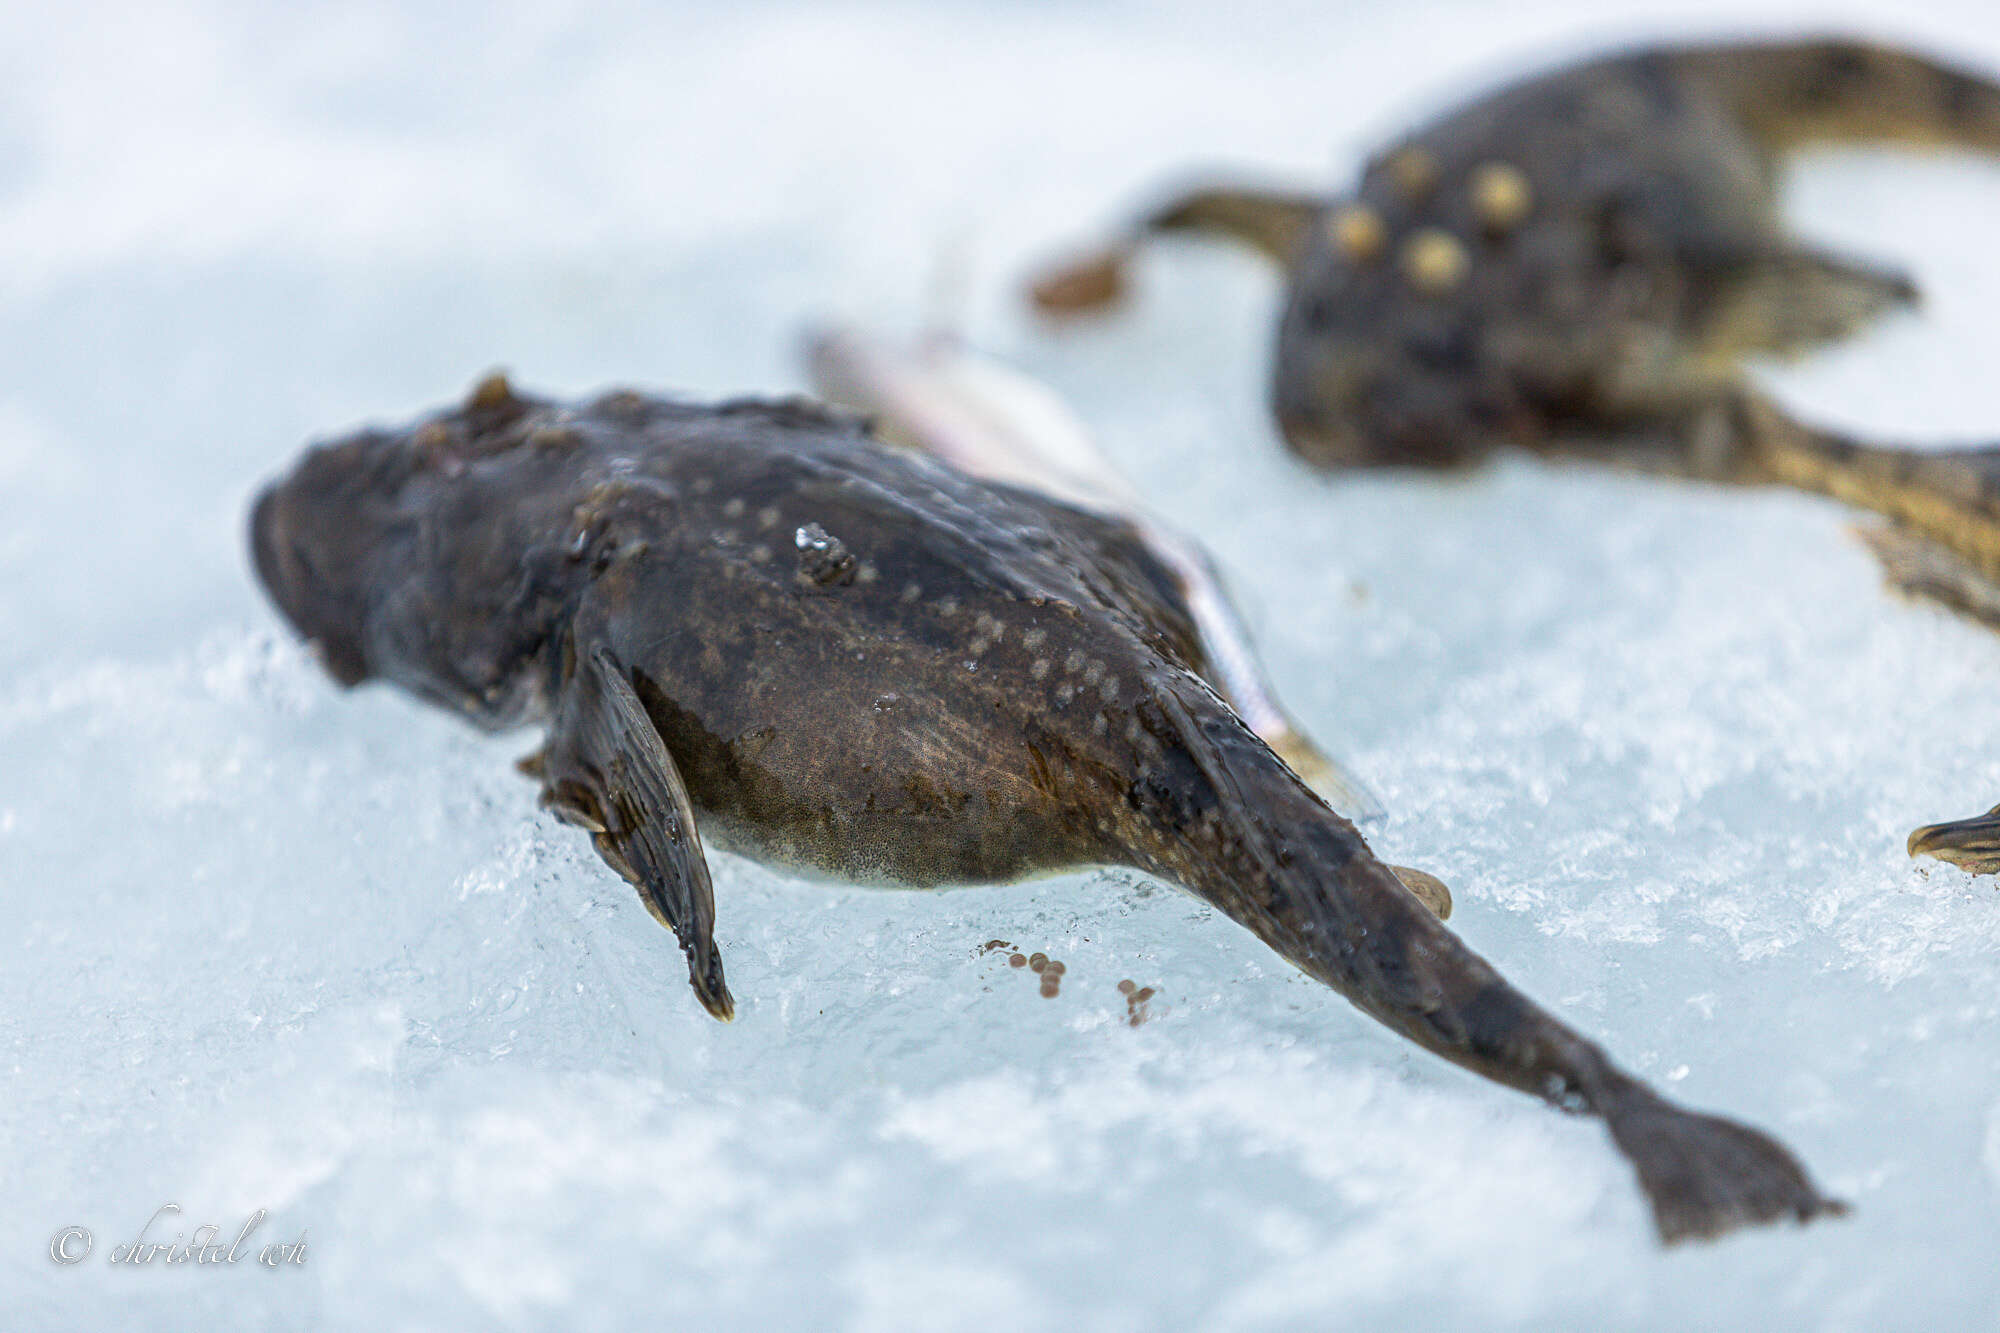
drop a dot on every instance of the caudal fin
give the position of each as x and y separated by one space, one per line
1706 1176
1838 90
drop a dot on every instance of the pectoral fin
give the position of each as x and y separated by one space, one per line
606 770
1272 222
1792 300
1920 568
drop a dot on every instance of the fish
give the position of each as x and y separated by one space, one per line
755 628
1580 263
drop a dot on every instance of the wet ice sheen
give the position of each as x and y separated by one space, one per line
274 947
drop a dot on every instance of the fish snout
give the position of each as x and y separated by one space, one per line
314 608
266 541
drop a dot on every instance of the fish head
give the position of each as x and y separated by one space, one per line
411 556
319 537
1381 358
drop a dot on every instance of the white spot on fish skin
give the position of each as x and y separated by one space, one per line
1093 673
1074 662
947 607
760 553
725 536
1100 724
767 517
867 573
912 591
703 485
1040 669
734 508
1033 638
1132 731
978 647
1065 693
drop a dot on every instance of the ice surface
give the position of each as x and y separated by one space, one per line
274 947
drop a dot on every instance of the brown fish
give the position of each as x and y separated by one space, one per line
754 627
1580 263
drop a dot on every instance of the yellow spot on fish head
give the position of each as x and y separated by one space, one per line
1435 261
1501 196
1357 233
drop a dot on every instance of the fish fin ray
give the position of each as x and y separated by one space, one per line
606 769
1792 299
1705 1175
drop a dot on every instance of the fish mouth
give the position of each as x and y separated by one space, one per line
1970 844
1332 444
1327 445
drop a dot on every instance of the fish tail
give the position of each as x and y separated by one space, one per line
1240 830
1839 90
1705 1175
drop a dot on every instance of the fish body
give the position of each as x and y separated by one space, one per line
757 627
994 422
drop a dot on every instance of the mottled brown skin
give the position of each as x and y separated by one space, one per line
754 625
1578 264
